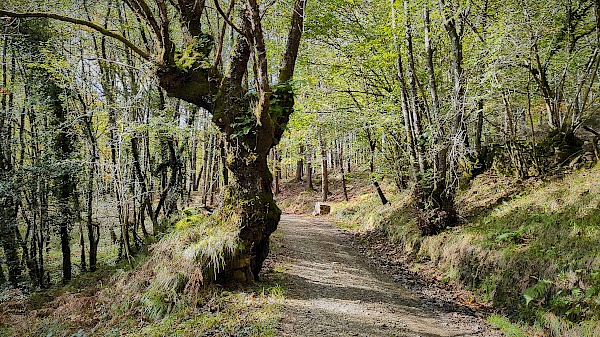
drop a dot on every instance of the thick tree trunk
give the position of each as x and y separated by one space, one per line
250 196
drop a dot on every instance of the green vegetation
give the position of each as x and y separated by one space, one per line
167 292
509 329
115 116
533 253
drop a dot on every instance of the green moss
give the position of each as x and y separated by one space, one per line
504 324
194 54
6 331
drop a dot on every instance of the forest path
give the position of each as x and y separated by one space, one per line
332 290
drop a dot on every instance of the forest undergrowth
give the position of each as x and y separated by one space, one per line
166 292
527 248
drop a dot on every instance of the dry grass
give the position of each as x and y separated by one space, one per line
166 293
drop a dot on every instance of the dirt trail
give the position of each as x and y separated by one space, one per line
331 290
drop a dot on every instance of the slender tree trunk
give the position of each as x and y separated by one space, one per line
341 159
225 170
300 164
372 148
141 179
193 163
208 158
8 216
435 101
27 255
309 171
324 171
214 184
65 183
408 126
82 248
479 127
8 210
277 169
2 276
414 110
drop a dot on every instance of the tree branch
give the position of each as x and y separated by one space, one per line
288 64
260 49
222 37
165 40
142 9
226 18
145 55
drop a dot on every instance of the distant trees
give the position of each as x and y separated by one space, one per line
140 148
454 88
110 130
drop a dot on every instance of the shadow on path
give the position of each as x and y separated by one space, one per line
333 291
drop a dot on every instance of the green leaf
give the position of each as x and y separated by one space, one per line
537 291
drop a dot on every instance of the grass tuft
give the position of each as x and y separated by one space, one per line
504 324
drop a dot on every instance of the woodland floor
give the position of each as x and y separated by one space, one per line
332 289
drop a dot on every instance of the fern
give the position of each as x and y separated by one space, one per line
538 291
512 236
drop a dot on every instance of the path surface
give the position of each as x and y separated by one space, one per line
331 290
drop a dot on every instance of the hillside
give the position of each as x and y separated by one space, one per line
527 248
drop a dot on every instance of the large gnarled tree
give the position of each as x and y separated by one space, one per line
251 117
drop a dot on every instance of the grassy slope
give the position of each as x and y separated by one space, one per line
531 248
162 295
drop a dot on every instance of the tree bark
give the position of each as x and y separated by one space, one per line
8 216
300 164
249 126
66 181
8 210
324 171
372 148
309 171
341 159
277 169
479 127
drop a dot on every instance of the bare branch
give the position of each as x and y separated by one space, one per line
79 22
226 18
291 50
142 9
260 49
222 37
165 40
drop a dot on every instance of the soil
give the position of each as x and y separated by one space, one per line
332 288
